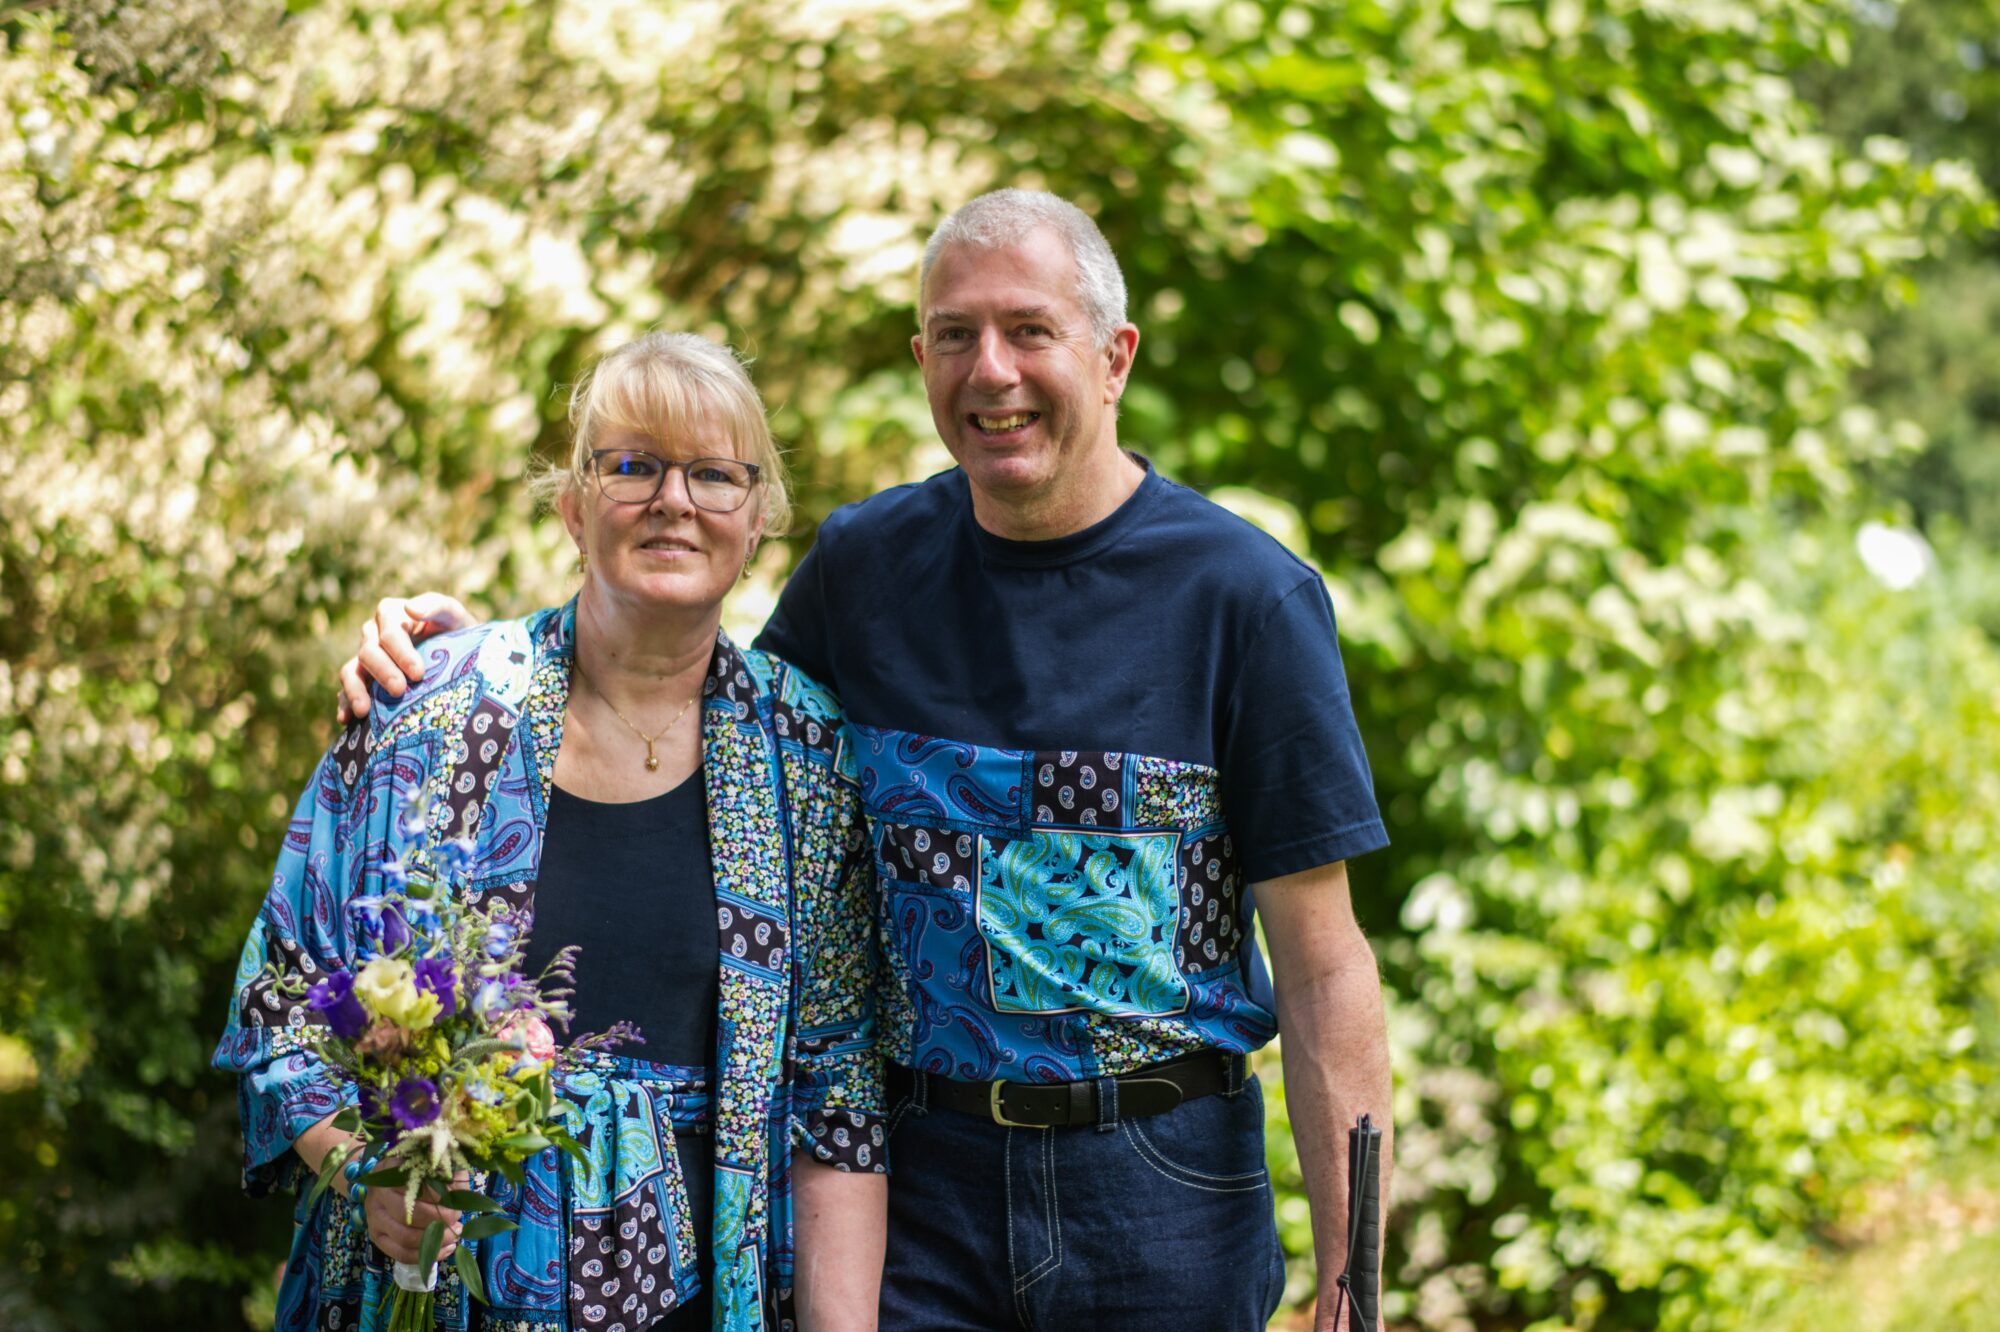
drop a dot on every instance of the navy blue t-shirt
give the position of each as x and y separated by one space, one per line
1075 755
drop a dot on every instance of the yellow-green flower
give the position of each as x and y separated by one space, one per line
389 988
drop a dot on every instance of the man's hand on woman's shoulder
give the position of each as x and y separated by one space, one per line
388 654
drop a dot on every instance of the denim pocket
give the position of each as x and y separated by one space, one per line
1213 1143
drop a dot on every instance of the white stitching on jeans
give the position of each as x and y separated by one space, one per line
1052 1217
1166 1160
1154 1160
1007 1165
1007 1178
896 1117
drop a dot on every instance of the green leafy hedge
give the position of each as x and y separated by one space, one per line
1527 322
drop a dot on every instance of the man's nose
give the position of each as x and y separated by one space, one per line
995 367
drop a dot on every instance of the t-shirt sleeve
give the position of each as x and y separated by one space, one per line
797 629
1295 782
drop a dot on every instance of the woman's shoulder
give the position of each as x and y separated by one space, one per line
804 712
495 660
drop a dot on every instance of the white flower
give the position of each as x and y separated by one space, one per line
388 987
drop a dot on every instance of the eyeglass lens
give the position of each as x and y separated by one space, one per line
719 485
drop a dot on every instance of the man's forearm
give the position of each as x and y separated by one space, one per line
1336 1058
841 1221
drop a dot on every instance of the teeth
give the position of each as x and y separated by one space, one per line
1011 422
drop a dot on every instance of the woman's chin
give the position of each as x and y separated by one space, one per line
670 589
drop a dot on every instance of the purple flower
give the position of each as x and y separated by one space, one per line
519 990
395 929
394 876
375 1112
333 999
491 998
458 856
435 975
416 1102
500 937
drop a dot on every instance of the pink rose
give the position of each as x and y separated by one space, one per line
384 1042
531 1031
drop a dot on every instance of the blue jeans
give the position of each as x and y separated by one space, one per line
1157 1223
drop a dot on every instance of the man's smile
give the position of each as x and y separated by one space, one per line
1002 423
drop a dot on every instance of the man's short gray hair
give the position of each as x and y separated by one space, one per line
1007 217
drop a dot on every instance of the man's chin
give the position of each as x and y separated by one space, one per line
1002 472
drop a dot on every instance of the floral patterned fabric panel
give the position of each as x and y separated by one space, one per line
1052 915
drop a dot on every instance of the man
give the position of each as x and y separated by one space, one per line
1095 718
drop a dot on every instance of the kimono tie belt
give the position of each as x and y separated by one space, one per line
632 1247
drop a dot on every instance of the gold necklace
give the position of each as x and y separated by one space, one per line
652 762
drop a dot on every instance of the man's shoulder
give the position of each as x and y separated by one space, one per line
1227 551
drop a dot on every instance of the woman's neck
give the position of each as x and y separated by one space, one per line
643 658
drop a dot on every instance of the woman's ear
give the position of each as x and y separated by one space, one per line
756 538
570 506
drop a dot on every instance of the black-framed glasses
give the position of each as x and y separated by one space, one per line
628 476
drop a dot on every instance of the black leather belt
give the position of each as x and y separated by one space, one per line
1152 1090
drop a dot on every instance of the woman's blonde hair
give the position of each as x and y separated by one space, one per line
669 386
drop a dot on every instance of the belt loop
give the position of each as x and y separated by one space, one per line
1107 1104
1235 1067
920 1092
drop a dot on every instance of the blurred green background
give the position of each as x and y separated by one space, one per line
1631 369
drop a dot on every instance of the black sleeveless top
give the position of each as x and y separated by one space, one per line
632 886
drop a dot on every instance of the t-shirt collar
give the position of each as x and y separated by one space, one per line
1058 551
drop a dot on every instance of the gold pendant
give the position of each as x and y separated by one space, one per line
651 762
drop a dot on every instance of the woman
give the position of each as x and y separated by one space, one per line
681 857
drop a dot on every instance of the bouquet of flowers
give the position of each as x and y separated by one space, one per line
452 1055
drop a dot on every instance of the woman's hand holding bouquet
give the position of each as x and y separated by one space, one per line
452 1056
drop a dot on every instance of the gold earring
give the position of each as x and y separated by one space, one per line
582 561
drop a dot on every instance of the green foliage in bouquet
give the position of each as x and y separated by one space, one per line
449 1049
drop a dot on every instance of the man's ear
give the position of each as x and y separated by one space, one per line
1118 354
917 347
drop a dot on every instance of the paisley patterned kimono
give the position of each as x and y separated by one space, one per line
606 1244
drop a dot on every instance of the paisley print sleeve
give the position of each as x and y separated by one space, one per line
282 1088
